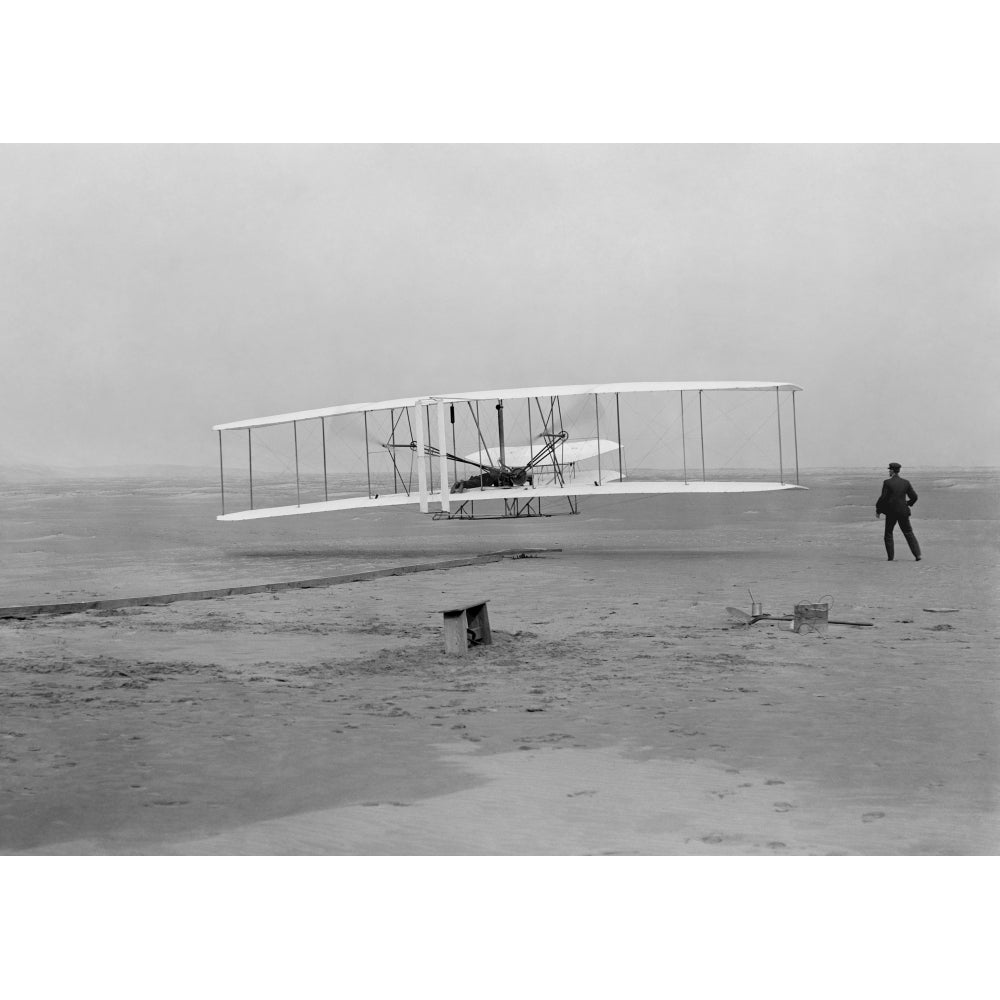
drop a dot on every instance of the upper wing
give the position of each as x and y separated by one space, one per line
540 392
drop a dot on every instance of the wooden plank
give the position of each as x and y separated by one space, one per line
463 606
456 639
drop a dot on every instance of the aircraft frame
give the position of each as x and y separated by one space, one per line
554 463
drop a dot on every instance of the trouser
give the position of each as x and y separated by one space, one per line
903 520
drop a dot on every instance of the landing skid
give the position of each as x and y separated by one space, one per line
466 511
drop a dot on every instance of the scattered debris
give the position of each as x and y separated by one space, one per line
831 621
812 615
744 618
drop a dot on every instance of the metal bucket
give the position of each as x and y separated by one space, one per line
811 616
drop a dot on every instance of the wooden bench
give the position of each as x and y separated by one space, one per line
466 625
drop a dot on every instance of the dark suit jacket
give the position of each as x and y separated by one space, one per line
898 496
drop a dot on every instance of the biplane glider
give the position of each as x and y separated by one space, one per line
452 455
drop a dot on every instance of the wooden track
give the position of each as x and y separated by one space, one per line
31 610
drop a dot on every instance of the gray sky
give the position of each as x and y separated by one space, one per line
149 292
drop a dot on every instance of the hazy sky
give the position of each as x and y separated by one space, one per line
149 292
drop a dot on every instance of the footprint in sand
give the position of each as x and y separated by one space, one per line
872 816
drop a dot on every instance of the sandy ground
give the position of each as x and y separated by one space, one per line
619 709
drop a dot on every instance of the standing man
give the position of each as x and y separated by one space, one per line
898 496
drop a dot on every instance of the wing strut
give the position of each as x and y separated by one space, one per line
701 426
618 418
392 438
222 476
443 458
250 458
597 417
421 463
503 462
326 488
530 435
430 465
684 449
295 436
368 458
795 432
781 466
